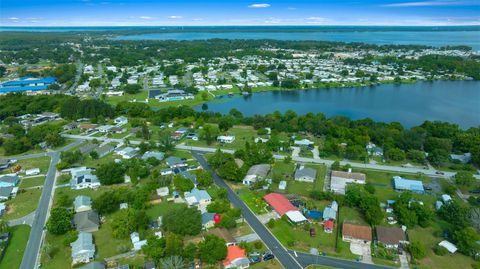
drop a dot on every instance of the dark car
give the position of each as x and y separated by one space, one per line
312 232
268 256
440 173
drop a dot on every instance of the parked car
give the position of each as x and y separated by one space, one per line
439 173
255 260
313 233
268 256
254 254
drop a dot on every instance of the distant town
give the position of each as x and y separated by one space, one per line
110 158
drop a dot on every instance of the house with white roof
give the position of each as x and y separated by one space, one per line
82 178
199 198
225 139
83 249
82 203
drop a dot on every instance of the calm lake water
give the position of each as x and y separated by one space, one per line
430 38
410 104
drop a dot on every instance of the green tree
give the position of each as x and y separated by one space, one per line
212 249
204 178
182 184
464 178
110 173
60 221
183 221
127 221
466 240
417 249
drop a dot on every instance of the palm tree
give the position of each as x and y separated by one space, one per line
172 262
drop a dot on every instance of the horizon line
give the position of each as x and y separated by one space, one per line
246 25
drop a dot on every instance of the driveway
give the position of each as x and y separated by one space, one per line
403 261
295 152
316 153
264 218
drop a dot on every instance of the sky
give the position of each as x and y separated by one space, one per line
238 12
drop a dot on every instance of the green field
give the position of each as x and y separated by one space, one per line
23 204
242 135
41 162
254 200
16 247
286 171
32 182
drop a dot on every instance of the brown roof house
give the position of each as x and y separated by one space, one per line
354 232
391 237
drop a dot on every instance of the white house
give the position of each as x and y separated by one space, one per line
82 203
83 178
83 249
340 179
225 139
137 243
32 172
199 198
121 120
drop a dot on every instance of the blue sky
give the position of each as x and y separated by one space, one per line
237 12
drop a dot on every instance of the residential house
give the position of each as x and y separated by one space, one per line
7 192
236 258
305 174
207 220
70 126
4 164
83 178
199 198
104 128
356 233
103 150
153 154
373 150
82 203
391 237
402 184
32 172
462 158
303 143
340 180
9 180
119 121
163 191
187 175
83 249
175 162
127 152
88 148
86 221
282 206
256 173
3 208
137 243
225 139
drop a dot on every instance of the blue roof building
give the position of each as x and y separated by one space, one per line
27 84
402 184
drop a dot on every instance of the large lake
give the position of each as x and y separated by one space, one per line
430 38
410 104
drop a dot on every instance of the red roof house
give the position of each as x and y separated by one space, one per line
279 203
236 258
328 226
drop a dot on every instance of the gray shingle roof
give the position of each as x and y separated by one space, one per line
306 172
84 243
86 220
260 170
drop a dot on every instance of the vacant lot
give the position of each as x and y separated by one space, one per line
23 204
16 247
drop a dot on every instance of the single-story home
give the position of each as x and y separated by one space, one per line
88 148
462 158
121 120
207 220
83 249
82 203
282 206
255 173
236 258
328 226
127 152
449 246
82 178
225 139
136 242
199 198
163 191
7 192
340 179
390 237
32 172
402 184
303 143
305 174
153 154
9 180
282 185
104 150
355 232
86 221
224 234
175 162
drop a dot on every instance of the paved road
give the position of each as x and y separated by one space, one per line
306 259
35 239
272 243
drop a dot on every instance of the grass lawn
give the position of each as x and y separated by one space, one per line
242 134
16 247
106 244
87 192
430 237
254 200
42 163
298 187
31 182
23 204
297 238
160 209
61 254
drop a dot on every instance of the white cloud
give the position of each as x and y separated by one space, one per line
316 20
13 18
145 17
175 17
430 3
259 5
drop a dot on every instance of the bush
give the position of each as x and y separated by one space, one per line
417 249
257 245
271 224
